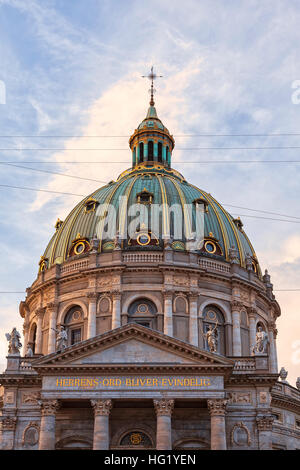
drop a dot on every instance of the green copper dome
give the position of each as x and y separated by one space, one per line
163 185
151 181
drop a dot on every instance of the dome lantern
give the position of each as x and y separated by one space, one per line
151 143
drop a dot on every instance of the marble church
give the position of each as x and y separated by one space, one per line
144 336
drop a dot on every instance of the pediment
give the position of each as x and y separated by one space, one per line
132 345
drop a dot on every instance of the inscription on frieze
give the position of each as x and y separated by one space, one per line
132 382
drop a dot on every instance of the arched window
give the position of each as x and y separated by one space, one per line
150 151
141 146
213 318
180 318
245 334
74 325
136 439
159 154
167 154
143 312
32 337
134 156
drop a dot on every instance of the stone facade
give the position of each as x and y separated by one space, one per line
230 399
153 340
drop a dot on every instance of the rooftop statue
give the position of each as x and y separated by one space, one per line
14 343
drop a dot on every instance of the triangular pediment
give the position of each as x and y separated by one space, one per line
132 345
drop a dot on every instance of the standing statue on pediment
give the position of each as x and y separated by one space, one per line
14 343
61 339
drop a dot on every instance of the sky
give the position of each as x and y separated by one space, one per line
231 77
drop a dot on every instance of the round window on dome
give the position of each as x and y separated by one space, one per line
210 247
79 248
143 239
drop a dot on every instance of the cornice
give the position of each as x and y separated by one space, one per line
119 369
284 401
253 379
20 380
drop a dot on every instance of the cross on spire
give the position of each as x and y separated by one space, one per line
152 76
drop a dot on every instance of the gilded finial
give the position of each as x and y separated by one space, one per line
152 76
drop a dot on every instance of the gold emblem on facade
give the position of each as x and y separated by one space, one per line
135 438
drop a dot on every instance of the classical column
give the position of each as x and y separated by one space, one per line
38 340
47 430
168 313
8 432
193 320
163 409
252 327
52 308
25 334
236 328
102 410
273 353
116 310
264 426
92 297
217 410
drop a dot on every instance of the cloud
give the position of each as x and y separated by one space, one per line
227 70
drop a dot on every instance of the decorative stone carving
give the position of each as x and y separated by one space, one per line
101 407
244 295
14 343
249 261
233 255
9 398
30 398
48 407
261 341
163 407
298 383
263 398
181 281
94 243
31 434
240 397
217 407
8 423
264 423
104 281
283 375
240 435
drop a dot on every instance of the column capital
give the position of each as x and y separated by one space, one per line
92 295
167 293
264 423
8 423
116 294
252 311
40 312
52 305
193 296
272 327
163 407
101 407
49 407
236 305
217 407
